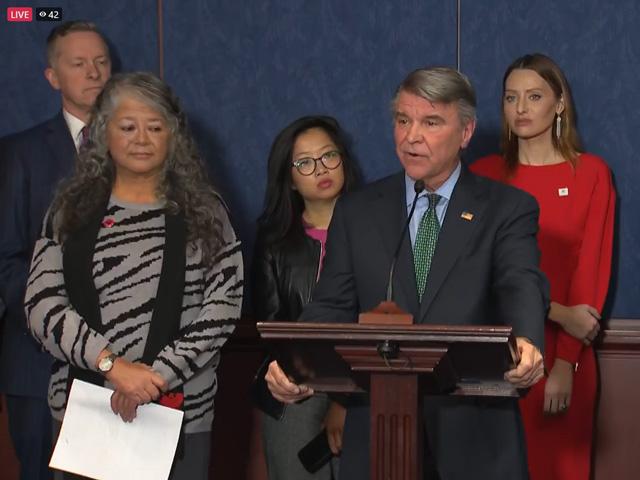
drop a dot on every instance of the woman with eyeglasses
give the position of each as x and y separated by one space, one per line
308 169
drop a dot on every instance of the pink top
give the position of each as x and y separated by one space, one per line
319 234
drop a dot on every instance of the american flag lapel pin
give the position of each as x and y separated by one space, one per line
468 216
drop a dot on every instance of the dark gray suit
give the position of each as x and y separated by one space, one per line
32 163
484 271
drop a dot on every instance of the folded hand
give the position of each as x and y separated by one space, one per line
123 406
137 381
282 388
581 322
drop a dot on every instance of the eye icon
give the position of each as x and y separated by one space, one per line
48 14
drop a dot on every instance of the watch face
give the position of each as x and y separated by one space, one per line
105 364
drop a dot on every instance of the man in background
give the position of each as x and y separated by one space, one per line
32 163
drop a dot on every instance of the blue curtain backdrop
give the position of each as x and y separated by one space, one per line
245 69
25 95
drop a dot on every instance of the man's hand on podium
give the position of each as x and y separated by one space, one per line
282 388
531 367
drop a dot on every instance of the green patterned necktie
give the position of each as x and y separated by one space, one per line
425 243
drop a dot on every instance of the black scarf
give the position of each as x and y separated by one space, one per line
165 320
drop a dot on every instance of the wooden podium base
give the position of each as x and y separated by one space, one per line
396 427
397 363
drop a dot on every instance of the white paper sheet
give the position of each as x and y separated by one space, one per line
96 443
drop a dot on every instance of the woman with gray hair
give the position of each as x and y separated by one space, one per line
137 280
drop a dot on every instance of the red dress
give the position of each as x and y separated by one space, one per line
575 240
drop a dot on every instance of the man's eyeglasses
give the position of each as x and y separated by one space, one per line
307 165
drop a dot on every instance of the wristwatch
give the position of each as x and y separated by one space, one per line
106 364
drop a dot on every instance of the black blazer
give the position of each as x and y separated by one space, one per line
32 163
484 271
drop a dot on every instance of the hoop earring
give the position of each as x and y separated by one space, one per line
558 127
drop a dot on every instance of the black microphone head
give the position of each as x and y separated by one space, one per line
418 186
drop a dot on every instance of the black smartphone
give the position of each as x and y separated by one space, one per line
315 454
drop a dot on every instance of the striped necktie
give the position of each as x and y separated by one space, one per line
84 136
425 244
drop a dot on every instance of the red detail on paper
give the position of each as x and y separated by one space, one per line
172 400
108 222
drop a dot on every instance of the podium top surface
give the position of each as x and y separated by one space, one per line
401 333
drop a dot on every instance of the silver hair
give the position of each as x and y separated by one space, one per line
444 85
183 183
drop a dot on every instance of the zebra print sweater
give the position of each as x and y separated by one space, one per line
126 269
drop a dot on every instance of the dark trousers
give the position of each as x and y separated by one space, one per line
30 431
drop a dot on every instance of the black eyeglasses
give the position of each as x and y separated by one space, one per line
307 165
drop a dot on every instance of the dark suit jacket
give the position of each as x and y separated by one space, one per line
32 163
484 271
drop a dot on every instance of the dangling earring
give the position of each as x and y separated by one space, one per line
558 126
509 134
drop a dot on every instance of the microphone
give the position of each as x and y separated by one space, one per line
418 187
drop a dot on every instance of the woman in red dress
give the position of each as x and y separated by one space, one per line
541 155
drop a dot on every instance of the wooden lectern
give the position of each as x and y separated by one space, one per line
397 365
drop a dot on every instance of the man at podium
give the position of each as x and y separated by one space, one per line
470 257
